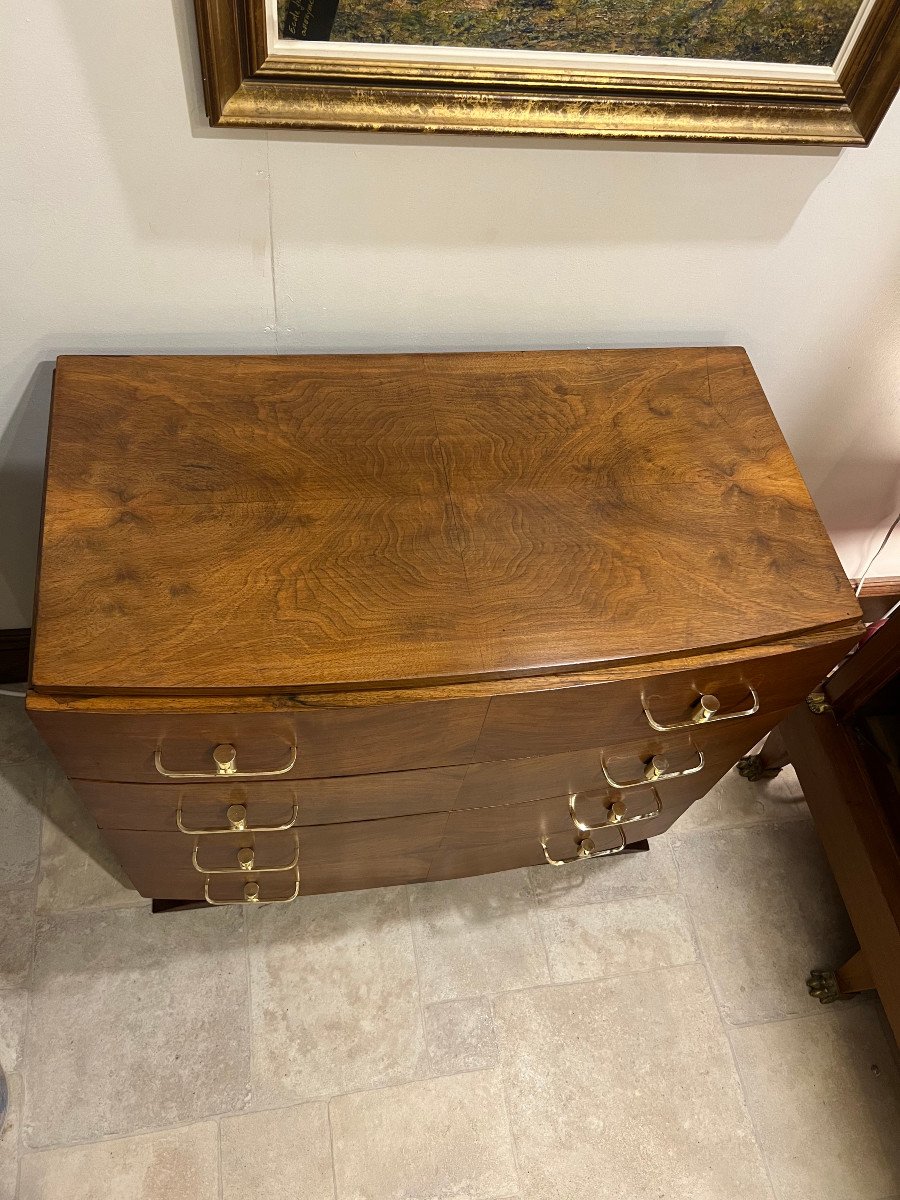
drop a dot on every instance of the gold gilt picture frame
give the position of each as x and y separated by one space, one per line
543 67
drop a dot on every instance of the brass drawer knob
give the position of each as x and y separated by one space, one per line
616 813
225 758
707 708
656 770
237 816
656 767
586 849
246 858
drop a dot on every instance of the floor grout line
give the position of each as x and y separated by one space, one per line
221 1188
742 1085
251 1037
331 1147
509 1123
415 950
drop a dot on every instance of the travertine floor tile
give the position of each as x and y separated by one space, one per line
19 739
598 941
283 1153
476 936
735 801
9 1138
626 1088
460 1035
77 869
432 1140
335 996
178 1164
647 873
13 1006
16 936
21 795
135 1020
825 1095
766 909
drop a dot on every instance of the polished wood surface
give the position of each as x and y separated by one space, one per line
608 718
331 857
122 745
293 524
318 801
424 598
584 716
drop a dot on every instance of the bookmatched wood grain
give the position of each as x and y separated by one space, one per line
260 524
448 583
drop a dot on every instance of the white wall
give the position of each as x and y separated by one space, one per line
127 224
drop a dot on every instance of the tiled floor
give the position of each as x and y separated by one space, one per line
634 1028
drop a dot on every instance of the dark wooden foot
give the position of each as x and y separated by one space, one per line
167 906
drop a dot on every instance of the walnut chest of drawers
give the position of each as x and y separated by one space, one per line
314 623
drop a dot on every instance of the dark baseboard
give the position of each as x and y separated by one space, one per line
14 648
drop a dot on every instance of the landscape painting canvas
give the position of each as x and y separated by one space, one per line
776 31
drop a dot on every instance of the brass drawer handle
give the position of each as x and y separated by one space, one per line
237 823
585 850
251 894
246 858
656 770
706 711
615 814
225 758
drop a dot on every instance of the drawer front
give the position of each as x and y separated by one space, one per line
645 811
515 781
329 858
460 862
267 803
163 748
206 806
606 714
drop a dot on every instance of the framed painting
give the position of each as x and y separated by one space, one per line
791 71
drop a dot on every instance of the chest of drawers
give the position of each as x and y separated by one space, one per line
314 623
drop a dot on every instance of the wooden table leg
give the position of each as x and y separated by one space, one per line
853 977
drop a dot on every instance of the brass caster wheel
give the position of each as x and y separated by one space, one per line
753 768
823 986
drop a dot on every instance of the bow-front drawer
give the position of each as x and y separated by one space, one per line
605 714
258 867
220 806
177 745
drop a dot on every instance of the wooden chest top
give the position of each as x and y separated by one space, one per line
265 524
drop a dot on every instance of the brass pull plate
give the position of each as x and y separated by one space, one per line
655 772
615 815
250 894
225 758
244 865
707 710
237 823
585 850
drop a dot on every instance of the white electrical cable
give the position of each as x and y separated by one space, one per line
10 692
869 564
